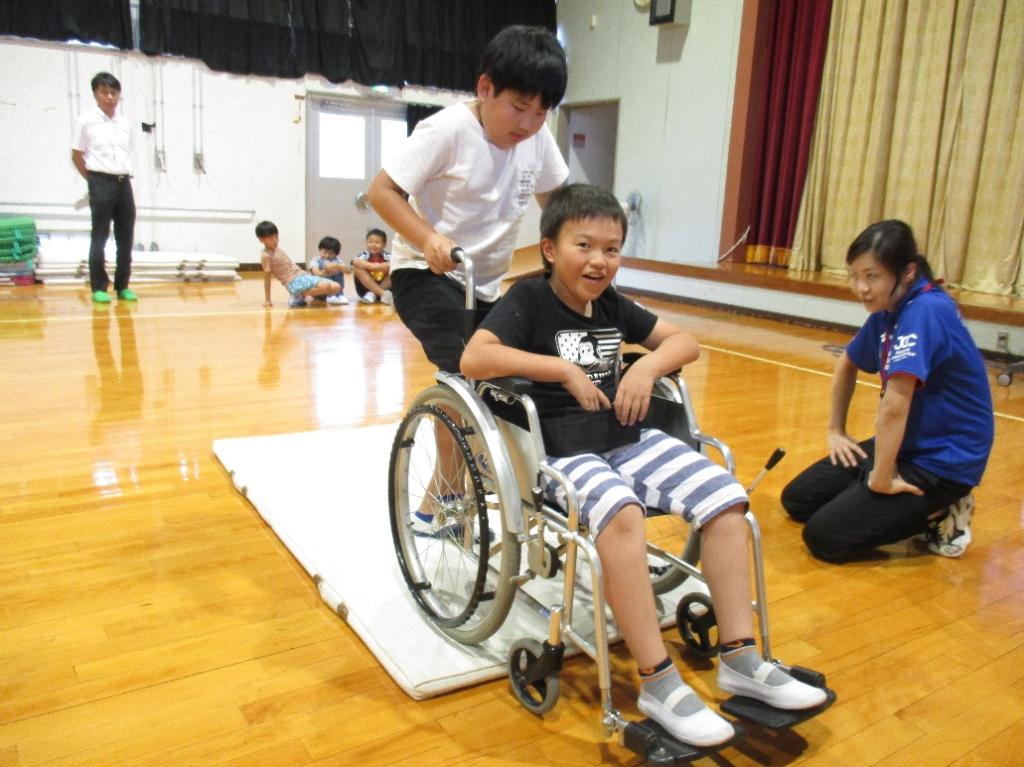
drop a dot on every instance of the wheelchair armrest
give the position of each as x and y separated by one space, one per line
628 358
512 384
722 448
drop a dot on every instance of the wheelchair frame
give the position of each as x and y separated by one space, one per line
509 483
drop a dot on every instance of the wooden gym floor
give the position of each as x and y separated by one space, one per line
149 617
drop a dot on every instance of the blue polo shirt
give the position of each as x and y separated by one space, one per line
950 425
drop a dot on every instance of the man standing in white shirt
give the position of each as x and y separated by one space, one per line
102 153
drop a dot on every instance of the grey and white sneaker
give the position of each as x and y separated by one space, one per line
951 535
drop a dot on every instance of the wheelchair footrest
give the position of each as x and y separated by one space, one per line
761 713
653 742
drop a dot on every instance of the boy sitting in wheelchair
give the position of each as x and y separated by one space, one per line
563 332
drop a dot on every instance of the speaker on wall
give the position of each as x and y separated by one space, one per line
670 12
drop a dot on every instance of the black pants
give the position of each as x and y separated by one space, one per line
111 199
844 519
433 307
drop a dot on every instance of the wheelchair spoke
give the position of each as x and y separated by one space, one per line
446 520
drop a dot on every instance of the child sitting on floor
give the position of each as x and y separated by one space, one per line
299 283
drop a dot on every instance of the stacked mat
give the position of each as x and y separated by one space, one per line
18 249
66 261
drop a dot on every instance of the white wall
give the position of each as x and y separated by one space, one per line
253 142
675 89
594 161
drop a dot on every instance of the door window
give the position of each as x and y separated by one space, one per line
342 146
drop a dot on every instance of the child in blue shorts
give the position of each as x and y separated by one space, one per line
564 331
299 283
328 264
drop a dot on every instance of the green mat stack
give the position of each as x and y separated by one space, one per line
18 247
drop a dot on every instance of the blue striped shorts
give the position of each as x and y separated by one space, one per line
657 471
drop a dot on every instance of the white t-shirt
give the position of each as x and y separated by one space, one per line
471 191
105 142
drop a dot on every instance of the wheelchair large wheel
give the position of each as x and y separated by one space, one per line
458 564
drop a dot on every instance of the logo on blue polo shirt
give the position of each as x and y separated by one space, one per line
904 347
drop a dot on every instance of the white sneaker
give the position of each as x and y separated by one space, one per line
701 728
951 535
792 695
338 300
387 298
368 298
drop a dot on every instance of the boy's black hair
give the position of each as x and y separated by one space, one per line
893 245
379 232
573 203
330 243
529 60
105 78
265 229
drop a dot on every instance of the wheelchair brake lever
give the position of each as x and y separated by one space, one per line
773 459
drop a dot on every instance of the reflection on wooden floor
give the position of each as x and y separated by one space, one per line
149 617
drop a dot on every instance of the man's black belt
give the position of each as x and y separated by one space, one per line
119 177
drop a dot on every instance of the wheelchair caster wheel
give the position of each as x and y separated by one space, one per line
533 671
695 619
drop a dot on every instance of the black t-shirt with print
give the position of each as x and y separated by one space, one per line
532 318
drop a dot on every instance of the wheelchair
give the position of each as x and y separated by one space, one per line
466 507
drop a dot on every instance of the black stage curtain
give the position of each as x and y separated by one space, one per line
250 37
89 21
435 43
444 40
360 40
416 112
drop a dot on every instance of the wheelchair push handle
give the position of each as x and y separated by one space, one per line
460 256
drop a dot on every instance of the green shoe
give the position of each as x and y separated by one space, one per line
127 295
100 297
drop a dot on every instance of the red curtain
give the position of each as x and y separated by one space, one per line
796 57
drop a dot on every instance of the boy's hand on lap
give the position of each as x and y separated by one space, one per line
579 385
633 396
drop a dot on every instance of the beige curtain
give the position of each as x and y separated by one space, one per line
921 118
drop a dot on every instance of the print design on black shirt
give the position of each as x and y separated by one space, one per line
595 351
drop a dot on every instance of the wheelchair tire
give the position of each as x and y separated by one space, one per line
537 697
460 571
668 532
664 577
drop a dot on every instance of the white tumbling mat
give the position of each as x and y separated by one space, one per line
333 517
65 261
